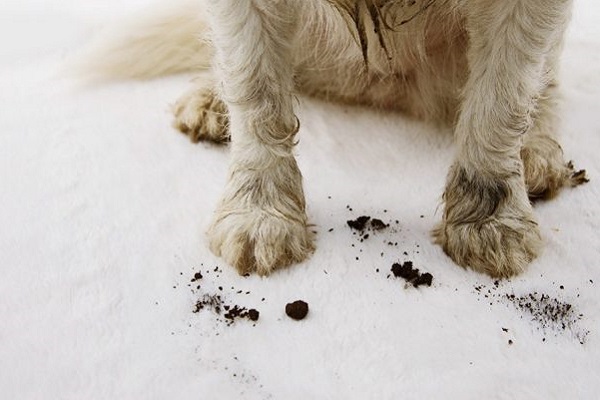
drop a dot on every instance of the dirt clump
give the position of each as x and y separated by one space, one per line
411 275
359 223
366 223
197 277
297 310
423 279
377 224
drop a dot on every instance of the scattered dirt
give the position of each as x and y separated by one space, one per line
241 312
216 304
548 314
366 227
411 275
297 310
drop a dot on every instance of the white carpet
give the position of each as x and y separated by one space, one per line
103 208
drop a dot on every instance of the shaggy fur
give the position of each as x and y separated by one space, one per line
487 67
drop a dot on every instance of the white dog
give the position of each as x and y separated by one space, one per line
487 67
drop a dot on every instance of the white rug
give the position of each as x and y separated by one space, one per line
103 208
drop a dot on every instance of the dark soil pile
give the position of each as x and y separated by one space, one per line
297 310
411 275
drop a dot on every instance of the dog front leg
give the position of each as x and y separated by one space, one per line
488 221
260 223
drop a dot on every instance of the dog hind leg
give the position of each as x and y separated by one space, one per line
545 169
201 114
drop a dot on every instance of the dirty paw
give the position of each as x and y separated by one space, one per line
260 241
499 248
202 116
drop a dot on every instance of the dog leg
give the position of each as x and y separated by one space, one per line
260 223
546 171
488 221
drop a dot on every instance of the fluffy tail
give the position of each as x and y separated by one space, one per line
160 42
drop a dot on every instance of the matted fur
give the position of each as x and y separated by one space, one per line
487 67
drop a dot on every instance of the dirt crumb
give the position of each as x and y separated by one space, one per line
197 277
405 270
359 223
412 275
377 224
297 310
424 279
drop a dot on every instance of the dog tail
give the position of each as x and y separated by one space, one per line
160 42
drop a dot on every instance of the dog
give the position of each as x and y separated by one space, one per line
488 68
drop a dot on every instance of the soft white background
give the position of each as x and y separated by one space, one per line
103 208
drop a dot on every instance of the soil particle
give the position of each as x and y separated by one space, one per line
377 224
212 302
359 223
241 312
405 271
366 223
197 276
253 314
297 310
424 279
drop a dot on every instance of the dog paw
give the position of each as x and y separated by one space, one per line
545 169
202 116
488 224
498 247
260 241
